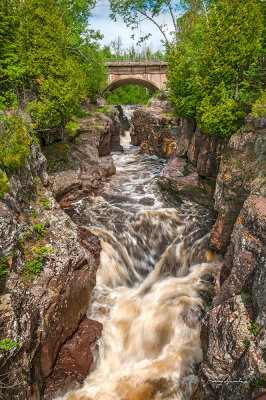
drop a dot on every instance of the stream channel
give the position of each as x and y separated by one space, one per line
152 284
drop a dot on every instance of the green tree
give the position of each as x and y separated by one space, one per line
228 68
184 61
214 69
10 72
134 12
130 94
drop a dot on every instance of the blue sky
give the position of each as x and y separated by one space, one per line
110 29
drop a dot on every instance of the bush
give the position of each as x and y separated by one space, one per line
14 147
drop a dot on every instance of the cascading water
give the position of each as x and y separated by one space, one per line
151 285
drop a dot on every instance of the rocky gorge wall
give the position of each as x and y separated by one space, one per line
77 164
48 264
229 176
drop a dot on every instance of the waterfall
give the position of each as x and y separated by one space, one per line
152 285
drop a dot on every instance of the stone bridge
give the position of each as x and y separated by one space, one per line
151 75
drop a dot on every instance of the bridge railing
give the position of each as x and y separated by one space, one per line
136 59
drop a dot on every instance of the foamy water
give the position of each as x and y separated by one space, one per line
151 285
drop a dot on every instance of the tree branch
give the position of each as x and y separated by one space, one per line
172 15
158 26
69 8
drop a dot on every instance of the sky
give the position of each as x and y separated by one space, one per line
101 21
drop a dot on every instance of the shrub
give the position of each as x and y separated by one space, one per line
34 264
3 268
7 344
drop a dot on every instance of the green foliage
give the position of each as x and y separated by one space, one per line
259 107
214 71
3 268
7 344
14 142
35 263
254 328
34 213
40 228
47 50
130 94
246 344
71 127
4 187
14 146
184 63
258 382
45 201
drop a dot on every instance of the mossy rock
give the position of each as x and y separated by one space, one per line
57 155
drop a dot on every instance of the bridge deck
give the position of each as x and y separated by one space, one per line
134 63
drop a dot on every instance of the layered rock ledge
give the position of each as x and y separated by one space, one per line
78 163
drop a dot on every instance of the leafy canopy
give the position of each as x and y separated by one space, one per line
214 69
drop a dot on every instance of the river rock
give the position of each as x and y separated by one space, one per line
233 330
182 179
76 359
242 171
155 131
40 311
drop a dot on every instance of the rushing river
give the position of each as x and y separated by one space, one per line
152 284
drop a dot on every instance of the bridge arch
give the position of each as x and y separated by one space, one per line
131 81
151 75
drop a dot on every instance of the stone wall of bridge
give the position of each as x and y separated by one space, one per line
150 75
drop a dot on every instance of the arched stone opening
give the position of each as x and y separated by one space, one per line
131 81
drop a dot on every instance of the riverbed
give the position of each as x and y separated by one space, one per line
152 284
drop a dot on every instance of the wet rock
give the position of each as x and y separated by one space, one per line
123 119
204 153
187 132
76 359
155 131
242 171
233 330
181 178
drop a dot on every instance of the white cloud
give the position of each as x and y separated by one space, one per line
101 21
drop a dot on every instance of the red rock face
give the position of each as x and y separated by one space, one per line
242 171
233 330
203 153
180 178
77 172
156 132
90 242
44 311
76 359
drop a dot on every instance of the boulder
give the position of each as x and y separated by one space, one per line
181 178
78 164
76 359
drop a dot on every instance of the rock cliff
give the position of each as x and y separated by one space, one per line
77 164
195 156
231 174
233 333
48 265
